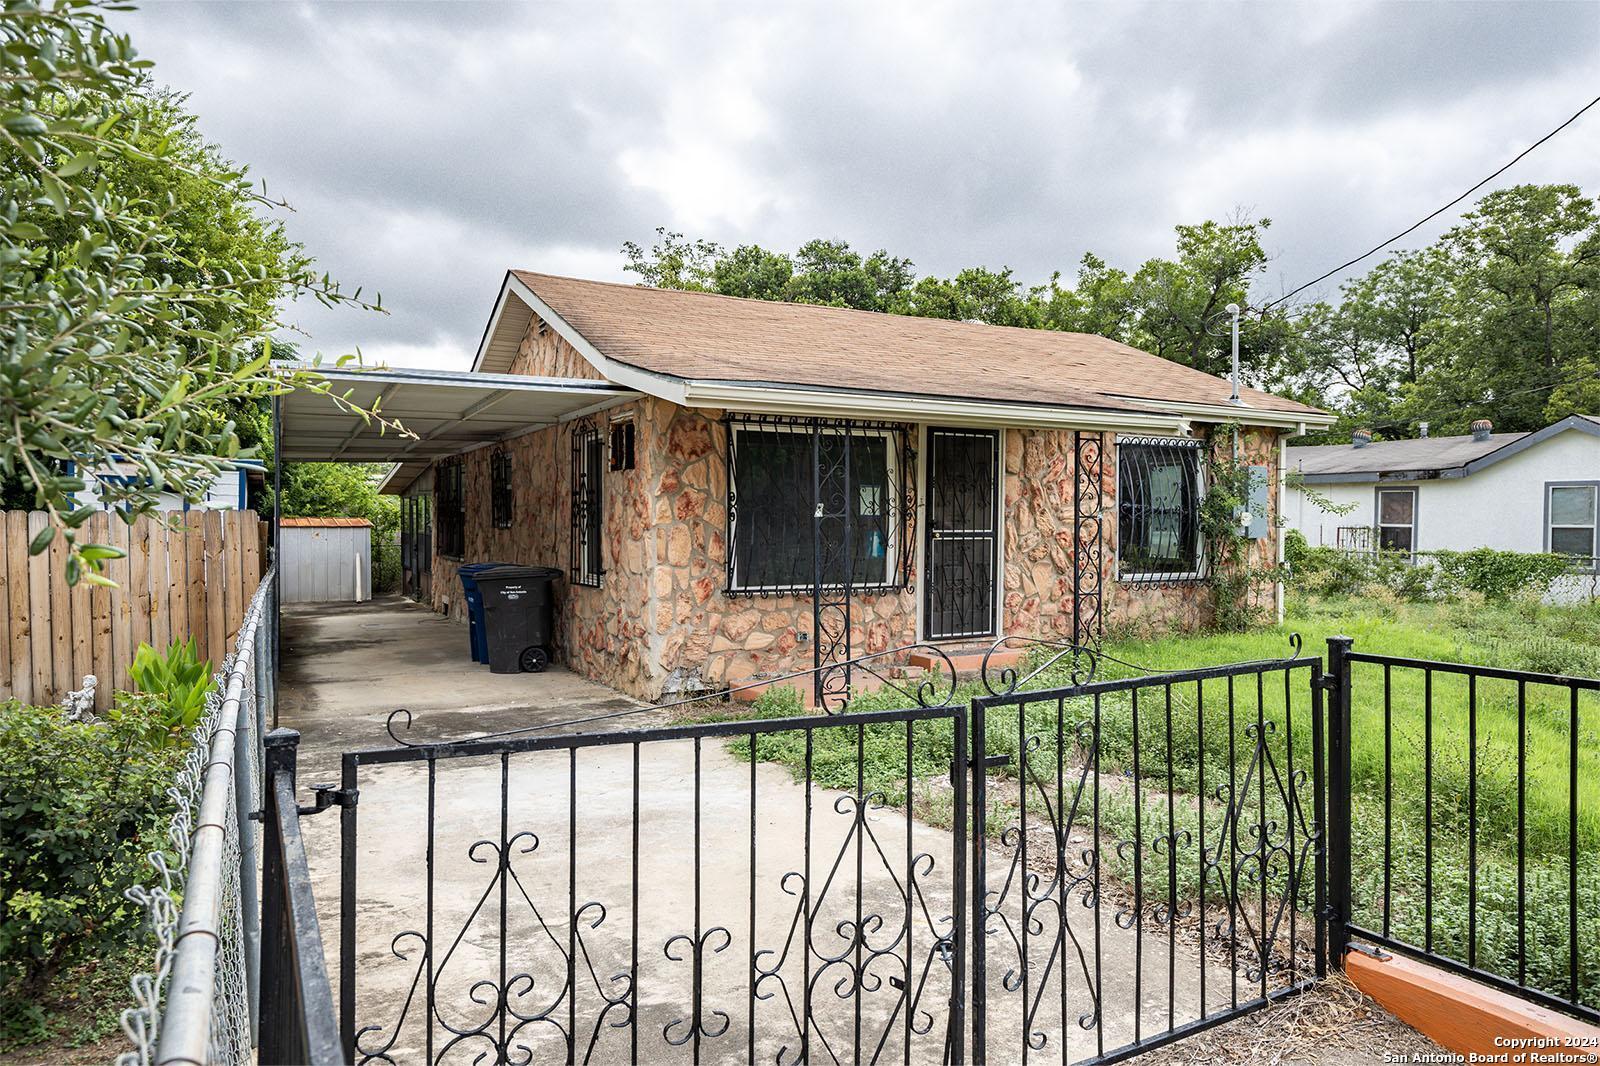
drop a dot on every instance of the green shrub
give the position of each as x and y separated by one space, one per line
1499 575
178 679
82 804
1295 547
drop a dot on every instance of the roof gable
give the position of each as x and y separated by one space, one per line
688 336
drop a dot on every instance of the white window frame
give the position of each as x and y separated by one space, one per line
1379 525
1594 515
891 550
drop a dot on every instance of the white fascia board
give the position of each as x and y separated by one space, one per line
494 324
394 468
1249 416
764 400
667 388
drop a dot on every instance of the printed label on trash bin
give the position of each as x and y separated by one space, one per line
513 592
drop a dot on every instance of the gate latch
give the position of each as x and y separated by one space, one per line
987 763
330 796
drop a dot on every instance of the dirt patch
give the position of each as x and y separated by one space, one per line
1332 1023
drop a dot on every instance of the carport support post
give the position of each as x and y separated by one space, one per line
1338 799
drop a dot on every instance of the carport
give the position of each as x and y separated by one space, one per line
439 413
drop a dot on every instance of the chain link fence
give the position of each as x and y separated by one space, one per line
198 1002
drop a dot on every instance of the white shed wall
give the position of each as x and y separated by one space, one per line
327 564
1500 506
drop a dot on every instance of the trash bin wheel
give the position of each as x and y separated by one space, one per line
534 660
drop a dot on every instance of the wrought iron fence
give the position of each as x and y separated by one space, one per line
1155 861
1472 812
198 1002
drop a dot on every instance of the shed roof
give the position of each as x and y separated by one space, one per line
322 523
711 338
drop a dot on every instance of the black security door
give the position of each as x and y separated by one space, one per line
958 578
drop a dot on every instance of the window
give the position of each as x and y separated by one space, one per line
622 445
588 460
451 508
1158 509
502 498
1397 520
1570 520
776 468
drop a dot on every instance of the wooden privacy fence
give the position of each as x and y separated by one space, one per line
185 574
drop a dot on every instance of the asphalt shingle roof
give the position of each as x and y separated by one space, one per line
706 337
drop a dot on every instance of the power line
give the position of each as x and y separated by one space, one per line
1418 225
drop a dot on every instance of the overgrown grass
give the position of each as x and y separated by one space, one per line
1205 741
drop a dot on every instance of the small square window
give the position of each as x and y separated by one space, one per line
622 445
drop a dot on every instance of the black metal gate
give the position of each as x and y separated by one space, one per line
660 894
1155 856
1141 858
962 539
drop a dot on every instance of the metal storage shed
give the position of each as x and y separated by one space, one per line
326 560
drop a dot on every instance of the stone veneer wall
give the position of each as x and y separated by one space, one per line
1040 473
704 637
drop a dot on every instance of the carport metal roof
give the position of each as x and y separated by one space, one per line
448 411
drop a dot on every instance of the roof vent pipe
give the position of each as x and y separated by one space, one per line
1481 429
1422 430
1361 438
1233 309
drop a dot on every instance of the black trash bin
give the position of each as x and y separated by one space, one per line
518 616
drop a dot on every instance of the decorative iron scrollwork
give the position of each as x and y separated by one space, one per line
507 1020
1007 679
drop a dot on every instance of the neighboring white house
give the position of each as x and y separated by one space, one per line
1529 492
229 491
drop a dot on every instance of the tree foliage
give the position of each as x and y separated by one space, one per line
139 282
1499 318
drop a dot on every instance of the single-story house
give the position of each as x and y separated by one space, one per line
1530 492
740 489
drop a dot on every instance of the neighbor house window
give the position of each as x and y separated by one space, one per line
1571 521
1397 520
450 527
588 460
502 498
775 514
1158 509
622 444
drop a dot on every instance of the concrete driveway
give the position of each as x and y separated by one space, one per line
642 872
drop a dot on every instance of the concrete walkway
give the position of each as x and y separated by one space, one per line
659 866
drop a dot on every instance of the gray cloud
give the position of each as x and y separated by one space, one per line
428 147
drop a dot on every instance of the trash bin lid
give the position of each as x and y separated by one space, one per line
517 572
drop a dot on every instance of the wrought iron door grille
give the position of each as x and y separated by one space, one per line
790 477
1158 511
963 533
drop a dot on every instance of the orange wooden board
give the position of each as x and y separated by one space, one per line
1469 1018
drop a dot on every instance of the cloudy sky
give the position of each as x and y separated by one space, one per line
426 148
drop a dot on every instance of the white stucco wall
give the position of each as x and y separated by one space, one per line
1500 506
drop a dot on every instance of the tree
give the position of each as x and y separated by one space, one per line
132 283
